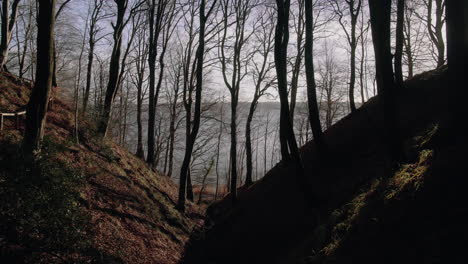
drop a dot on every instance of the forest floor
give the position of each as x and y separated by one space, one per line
129 209
363 210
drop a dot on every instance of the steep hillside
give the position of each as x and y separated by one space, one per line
128 208
360 213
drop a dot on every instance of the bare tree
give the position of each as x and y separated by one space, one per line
156 25
235 63
93 39
261 69
330 80
8 23
138 79
436 29
399 43
27 30
203 17
114 66
289 148
314 116
354 8
299 24
39 101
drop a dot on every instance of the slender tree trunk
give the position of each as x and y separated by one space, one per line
248 142
399 43
233 151
155 18
314 115
38 103
298 63
190 195
353 44
88 76
140 153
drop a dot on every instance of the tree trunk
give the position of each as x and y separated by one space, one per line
380 23
114 67
38 103
457 55
353 44
435 31
197 115
140 153
248 142
233 151
314 115
289 149
399 43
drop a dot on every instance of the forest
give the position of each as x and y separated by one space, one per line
233 131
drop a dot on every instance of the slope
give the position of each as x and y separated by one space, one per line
273 222
128 208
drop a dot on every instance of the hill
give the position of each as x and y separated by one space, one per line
125 210
361 213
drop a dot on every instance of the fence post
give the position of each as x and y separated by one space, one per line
1 121
17 121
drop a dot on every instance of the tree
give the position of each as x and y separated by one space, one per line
260 72
27 31
138 78
59 11
289 148
314 117
380 12
39 100
156 25
93 38
297 64
457 55
399 42
239 10
436 30
354 8
198 97
8 23
174 110
330 77
114 65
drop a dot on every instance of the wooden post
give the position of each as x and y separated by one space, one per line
16 121
1 121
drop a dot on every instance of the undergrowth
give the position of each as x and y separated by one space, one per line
40 211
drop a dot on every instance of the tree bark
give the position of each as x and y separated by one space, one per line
399 43
289 149
114 67
380 23
457 55
314 115
38 103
